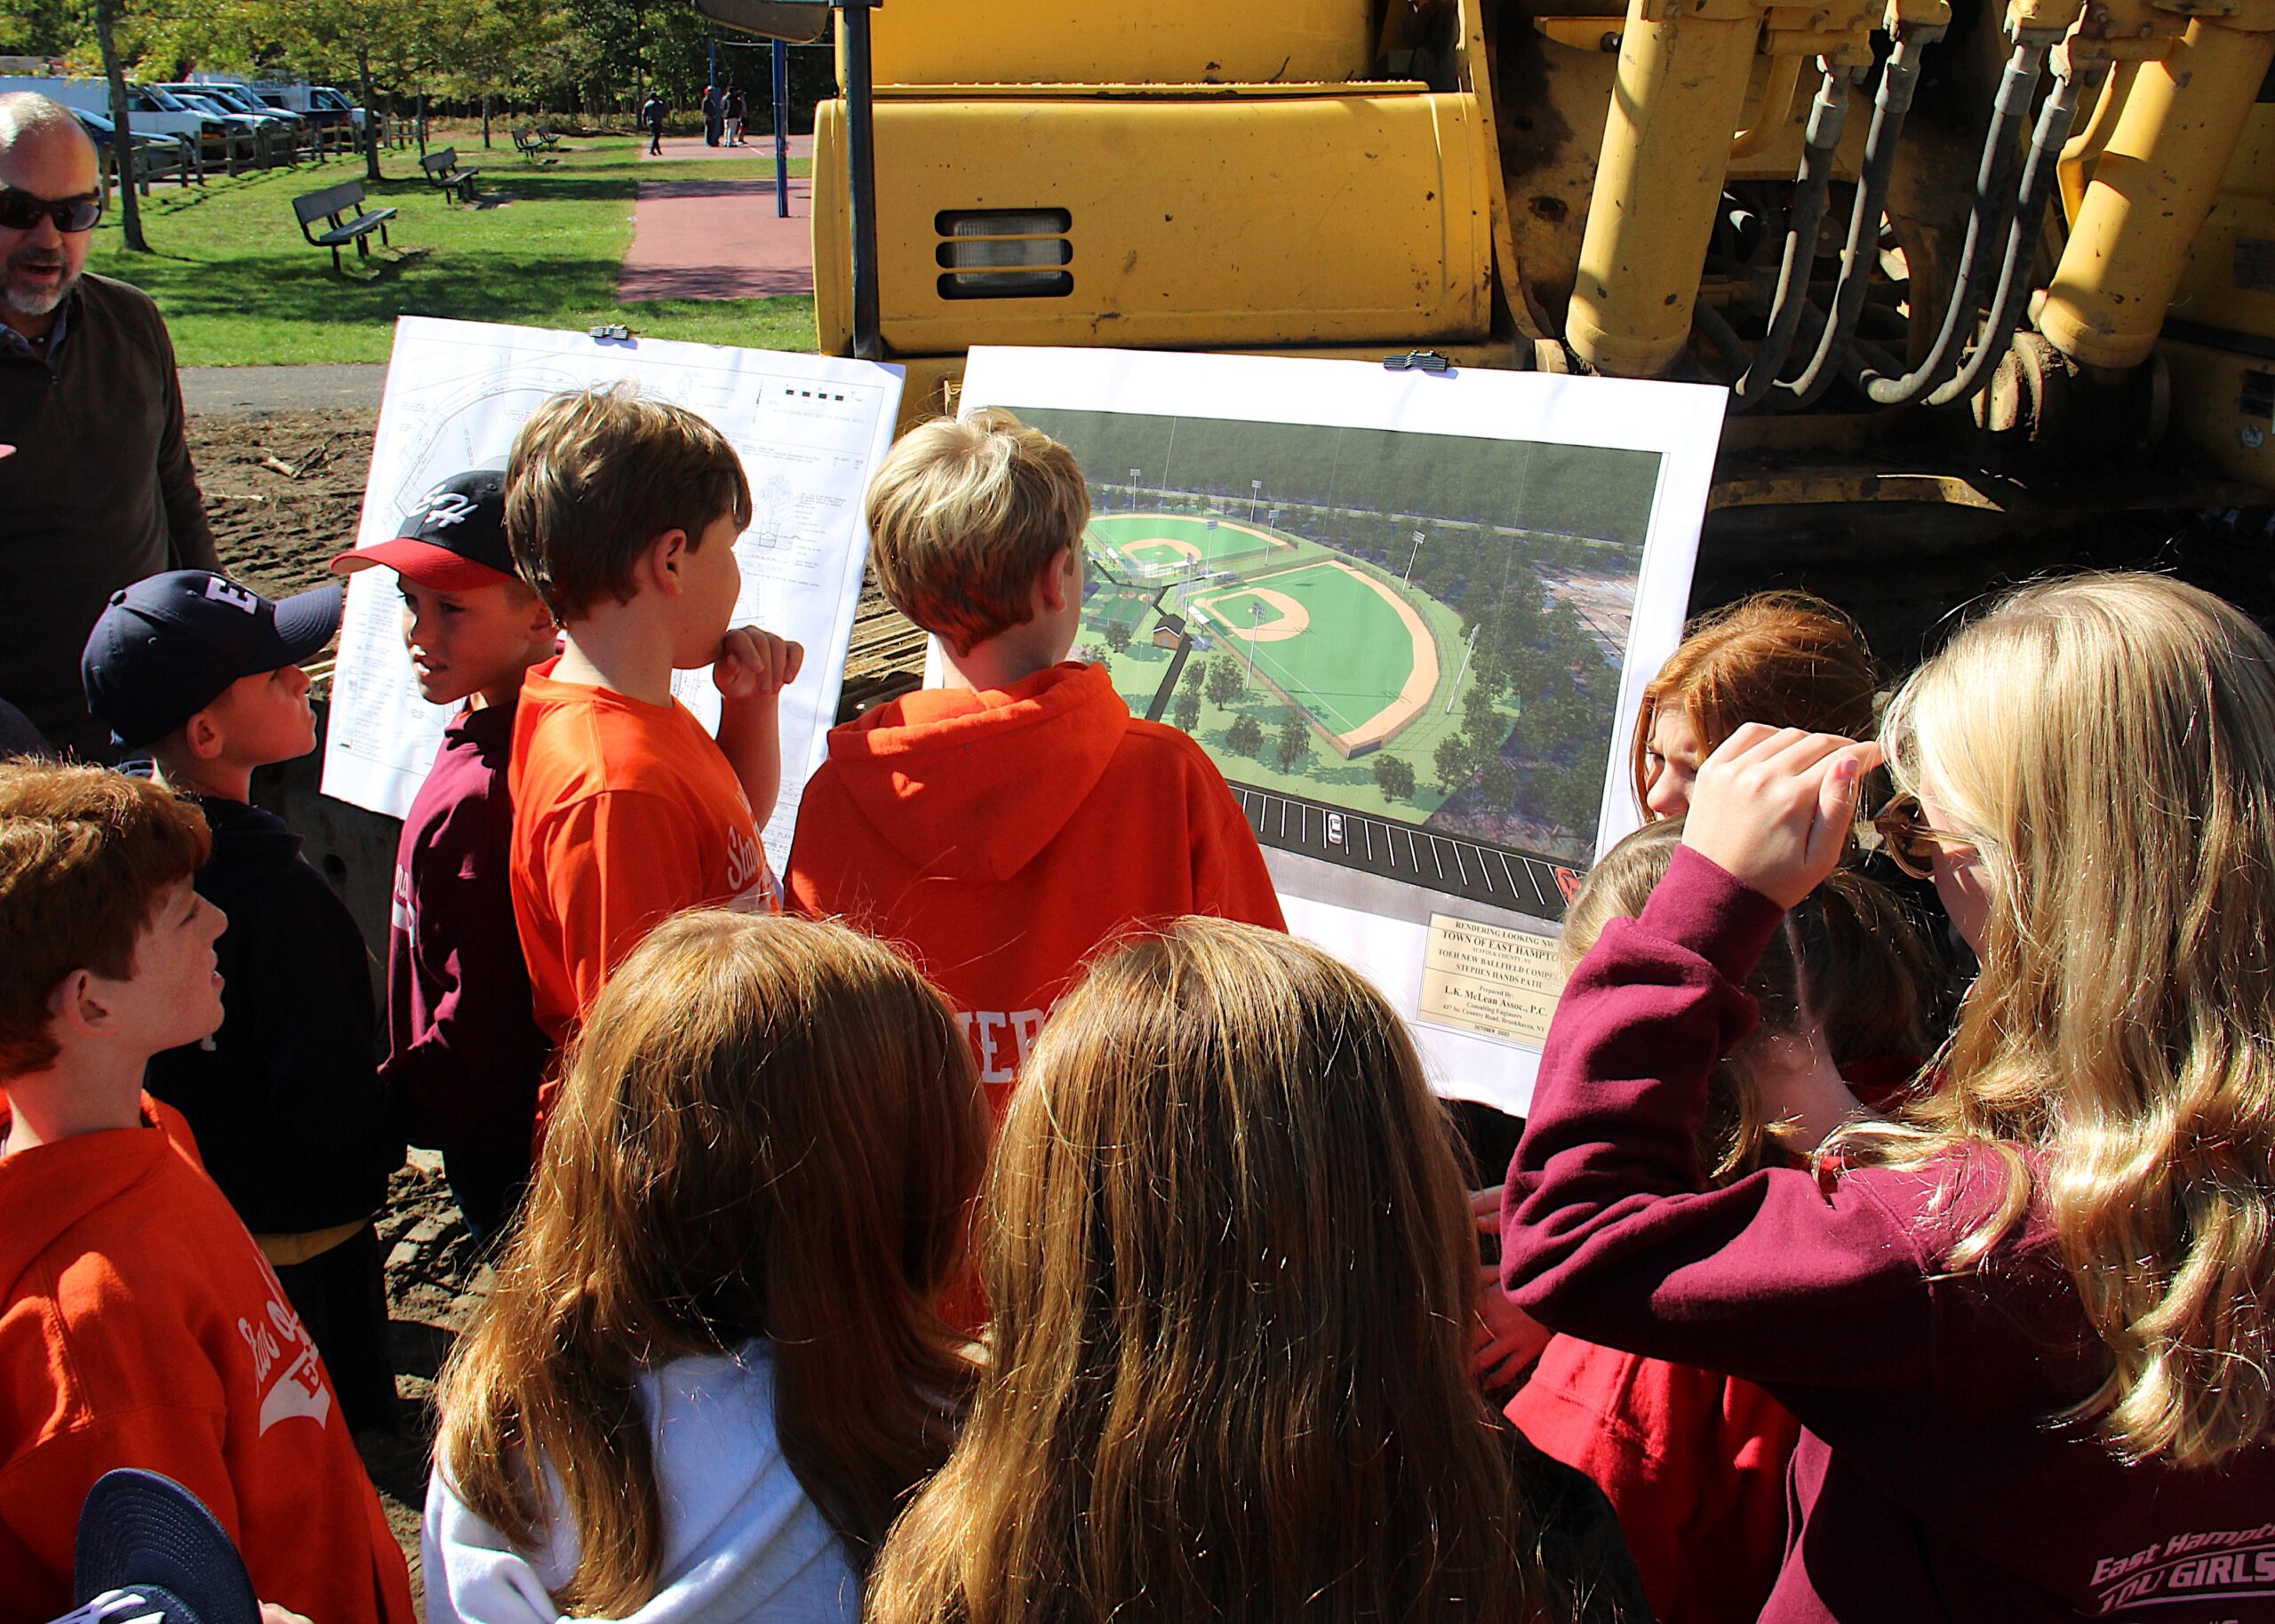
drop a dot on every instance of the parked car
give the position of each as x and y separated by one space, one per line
231 97
150 111
321 105
239 124
169 148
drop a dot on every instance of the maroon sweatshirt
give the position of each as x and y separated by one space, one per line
1931 1481
465 1053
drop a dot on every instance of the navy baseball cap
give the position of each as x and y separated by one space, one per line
167 647
452 540
141 1532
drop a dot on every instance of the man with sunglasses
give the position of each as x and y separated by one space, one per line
98 492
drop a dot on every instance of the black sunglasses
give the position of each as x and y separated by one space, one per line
22 212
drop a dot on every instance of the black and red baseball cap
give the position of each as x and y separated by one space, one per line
453 539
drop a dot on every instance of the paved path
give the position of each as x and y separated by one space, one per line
241 389
717 239
756 144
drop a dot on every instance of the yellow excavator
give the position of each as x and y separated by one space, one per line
1966 273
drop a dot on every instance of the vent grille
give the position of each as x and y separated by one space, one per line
1004 253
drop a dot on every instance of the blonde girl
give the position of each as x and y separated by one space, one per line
2026 1325
1228 1245
709 1373
1690 1459
1786 659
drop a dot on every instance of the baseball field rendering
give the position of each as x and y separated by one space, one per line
1350 647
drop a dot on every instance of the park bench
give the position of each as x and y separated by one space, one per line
342 208
442 167
534 144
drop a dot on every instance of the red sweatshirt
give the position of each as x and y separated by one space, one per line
140 1326
1693 1463
1930 1482
1002 837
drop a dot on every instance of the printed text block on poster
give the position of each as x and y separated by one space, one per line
1489 979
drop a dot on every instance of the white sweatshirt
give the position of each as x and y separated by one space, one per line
742 1540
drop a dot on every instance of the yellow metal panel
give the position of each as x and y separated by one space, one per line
1333 219
1049 42
2150 195
2229 281
2220 409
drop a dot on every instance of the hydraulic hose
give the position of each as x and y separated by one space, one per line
1718 332
1890 105
1986 222
1813 185
2041 176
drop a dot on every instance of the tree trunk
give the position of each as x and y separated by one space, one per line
370 117
122 137
420 107
485 121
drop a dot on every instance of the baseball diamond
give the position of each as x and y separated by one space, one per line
1337 642
1161 546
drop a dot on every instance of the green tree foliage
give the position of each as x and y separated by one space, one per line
1244 737
1195 674
1580 492
1187 710
1571 797
1395 775
1293 747
1224 681
1117 634
1453 762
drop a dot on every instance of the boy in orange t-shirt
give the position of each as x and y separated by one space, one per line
140 1325
1004 827
623 514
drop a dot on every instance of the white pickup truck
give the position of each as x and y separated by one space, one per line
150 111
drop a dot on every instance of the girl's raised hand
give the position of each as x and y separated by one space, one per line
1772 807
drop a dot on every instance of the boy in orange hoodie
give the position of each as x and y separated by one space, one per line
139 1326
1002 828
623 514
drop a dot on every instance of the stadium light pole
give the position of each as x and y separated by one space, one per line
1408 579
1254 623
1134 473
1464 671
1254 495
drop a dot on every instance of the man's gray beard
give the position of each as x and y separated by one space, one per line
43 304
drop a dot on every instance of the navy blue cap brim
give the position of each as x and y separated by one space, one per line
138 1528
307 621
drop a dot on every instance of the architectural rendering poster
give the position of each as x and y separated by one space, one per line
809 429
1411 615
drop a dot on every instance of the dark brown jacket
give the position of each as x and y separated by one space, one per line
99 494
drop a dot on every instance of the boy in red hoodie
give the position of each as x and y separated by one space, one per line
139 1326
1001 828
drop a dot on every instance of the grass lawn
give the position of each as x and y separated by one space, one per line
240 288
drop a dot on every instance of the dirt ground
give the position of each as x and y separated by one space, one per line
285 492
284 489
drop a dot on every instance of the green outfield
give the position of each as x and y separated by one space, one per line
1159 547
1341 644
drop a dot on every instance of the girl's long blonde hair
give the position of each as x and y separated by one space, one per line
1231 1258
2108 743
769 1128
